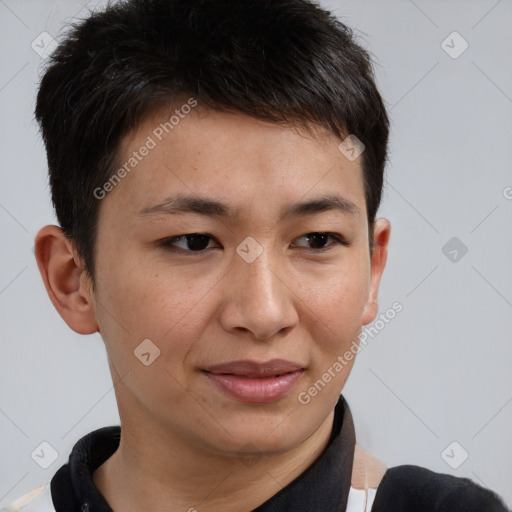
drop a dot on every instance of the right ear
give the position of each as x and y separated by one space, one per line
68 285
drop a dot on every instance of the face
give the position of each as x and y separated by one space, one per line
238 250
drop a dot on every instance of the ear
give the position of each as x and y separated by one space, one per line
381 233
67 284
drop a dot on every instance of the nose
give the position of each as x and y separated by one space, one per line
259 299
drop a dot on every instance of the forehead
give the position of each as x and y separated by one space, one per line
234 159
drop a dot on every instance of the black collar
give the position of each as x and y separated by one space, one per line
324 486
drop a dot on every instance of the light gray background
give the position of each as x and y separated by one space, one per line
438 373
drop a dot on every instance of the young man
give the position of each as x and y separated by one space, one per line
216 167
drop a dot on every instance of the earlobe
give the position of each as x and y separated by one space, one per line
382 232
67 287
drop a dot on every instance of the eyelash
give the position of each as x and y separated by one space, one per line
167 243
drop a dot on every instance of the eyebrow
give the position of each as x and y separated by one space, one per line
182 204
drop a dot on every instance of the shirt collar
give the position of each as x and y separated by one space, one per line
325 485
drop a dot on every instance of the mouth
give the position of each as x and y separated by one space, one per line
252 382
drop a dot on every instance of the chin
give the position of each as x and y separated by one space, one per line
264 435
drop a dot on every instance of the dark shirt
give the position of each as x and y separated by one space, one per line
323 487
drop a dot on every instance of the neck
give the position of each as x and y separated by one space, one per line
147 471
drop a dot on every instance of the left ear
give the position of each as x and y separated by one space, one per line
381 233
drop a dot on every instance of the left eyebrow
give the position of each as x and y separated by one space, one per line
180 204
321 204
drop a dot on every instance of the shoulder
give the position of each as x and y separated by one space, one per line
367 470
407 488
367 473
36 500
411 488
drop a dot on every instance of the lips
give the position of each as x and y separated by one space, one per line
253 382
251 369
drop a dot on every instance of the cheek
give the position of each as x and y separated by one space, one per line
134 305
335 310
335 306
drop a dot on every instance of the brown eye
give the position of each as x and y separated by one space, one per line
195 242
318 241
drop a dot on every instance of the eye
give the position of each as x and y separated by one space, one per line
318 240
194 242
199 242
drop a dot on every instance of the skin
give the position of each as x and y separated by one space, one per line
185 444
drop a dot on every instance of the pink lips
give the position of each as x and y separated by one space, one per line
257 383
